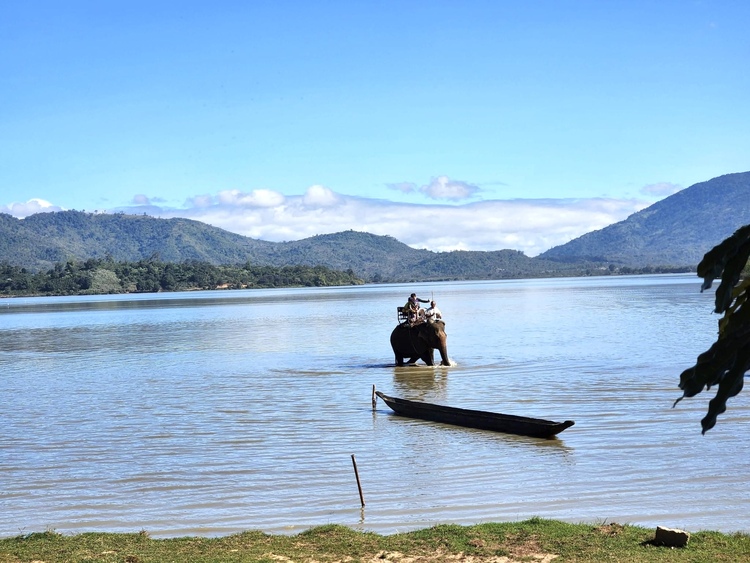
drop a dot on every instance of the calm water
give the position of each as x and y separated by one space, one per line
216 412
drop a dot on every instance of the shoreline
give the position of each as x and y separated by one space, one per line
536 539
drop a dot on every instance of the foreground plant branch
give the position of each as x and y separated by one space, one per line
728 359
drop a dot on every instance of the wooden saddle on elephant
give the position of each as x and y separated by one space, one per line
402 314
403 317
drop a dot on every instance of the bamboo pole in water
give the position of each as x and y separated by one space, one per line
359 485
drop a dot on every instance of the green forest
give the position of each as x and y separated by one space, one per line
103 276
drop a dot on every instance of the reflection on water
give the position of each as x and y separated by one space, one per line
420 381
214 412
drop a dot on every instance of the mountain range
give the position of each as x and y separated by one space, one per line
677 230
673 233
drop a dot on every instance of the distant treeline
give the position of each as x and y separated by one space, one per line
102 276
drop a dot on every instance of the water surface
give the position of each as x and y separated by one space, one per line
209 413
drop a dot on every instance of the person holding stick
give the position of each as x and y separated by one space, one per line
433 313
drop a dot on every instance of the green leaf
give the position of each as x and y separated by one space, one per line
727 361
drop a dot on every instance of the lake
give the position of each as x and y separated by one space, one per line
210 413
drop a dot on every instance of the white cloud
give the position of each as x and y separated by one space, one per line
403 187
661 189
528 225
254 199
200 201
319 196
34 205
443 187
439 188
238 199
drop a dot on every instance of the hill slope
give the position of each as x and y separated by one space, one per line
676 231
41 240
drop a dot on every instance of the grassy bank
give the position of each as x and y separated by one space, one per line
534 540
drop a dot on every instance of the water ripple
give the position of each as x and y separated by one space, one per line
215 413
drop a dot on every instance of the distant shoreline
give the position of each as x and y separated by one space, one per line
345 279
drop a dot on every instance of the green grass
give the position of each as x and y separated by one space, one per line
534 540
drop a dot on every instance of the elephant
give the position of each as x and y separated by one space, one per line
419 342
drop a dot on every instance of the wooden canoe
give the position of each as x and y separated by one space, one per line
508 423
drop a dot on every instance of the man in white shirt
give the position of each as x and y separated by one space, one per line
433 314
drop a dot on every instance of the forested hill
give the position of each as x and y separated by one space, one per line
41 241
677 230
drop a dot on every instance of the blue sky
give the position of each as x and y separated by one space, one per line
476 125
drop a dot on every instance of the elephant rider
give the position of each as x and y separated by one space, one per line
433 313
413 310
